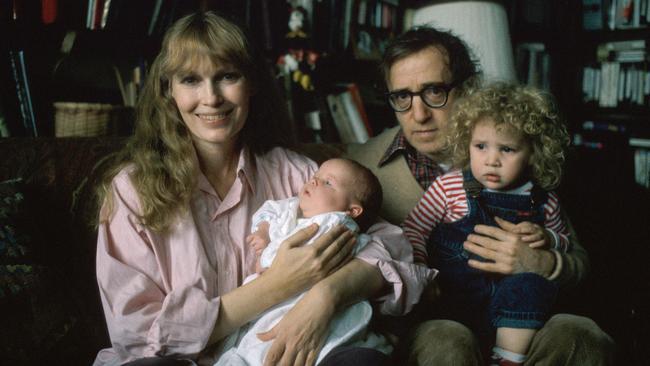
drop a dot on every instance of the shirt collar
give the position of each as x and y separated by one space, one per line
246 168
399 144
245 171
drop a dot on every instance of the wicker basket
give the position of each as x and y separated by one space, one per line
88 119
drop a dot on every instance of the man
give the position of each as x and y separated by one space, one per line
425 71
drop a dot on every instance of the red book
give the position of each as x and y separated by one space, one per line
48 11
356 97
97 12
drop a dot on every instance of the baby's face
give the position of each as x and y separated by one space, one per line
330 189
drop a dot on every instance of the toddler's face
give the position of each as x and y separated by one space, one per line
499 157
330 189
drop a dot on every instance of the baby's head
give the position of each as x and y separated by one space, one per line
520 123
343 185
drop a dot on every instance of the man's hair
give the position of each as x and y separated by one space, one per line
367 190
419 38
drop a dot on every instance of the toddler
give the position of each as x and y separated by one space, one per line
508 145
340 192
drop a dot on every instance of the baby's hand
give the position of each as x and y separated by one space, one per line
258 242
535 235
259 239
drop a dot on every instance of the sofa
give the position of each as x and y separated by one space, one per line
51 312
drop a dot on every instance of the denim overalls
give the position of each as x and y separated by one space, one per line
480 300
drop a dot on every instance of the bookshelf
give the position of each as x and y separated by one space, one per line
349 37
71 49
603 191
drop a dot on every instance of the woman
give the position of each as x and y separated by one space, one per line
171 253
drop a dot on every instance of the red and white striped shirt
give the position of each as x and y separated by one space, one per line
445 201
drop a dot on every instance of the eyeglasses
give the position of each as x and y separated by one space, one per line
434 96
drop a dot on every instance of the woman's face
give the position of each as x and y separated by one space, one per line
213 100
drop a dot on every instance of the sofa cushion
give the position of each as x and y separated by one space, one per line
30 290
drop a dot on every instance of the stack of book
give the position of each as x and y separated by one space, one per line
349 115
615 14
620 77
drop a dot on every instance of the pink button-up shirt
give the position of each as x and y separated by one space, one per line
161 292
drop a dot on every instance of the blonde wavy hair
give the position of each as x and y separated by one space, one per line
520 108
161 150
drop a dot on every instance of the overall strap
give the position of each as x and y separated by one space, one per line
538 196
471 185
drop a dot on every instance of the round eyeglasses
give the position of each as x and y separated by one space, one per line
434 96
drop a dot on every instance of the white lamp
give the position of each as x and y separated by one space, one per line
483 25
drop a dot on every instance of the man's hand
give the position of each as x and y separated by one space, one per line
508 252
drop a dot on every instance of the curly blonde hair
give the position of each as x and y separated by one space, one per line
161 149
521 108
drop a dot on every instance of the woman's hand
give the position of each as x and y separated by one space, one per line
300 266
508 251
300 335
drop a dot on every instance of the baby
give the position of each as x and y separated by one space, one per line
508 141
341 192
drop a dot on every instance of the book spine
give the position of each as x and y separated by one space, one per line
358 102
340 119
31 122
22 94
48 11
354 118
154 17
105 11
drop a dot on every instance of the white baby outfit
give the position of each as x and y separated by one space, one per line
349 327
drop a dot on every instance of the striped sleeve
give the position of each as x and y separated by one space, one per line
553 221
433 208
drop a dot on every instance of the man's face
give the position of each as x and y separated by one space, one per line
422 125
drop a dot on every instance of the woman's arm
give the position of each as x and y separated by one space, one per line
383 270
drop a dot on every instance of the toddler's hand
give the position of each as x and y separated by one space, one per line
535 235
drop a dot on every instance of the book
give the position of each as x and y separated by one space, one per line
48 11
642 167
353 88
154 17
627 50
627 14
17 61
340 119
104 17
592 14
354 117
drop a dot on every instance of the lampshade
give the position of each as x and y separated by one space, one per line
483 25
